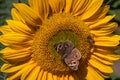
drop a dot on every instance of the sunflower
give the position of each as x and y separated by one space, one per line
35 28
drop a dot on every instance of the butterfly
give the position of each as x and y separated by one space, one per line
70 55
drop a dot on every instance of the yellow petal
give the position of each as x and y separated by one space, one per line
104 30
108 41
68 6
105 75
60 77
49 77
66 77
18 74
106 62
71 77
93 75
15 39
54 77
19 27
14 77
44 77
8 68
34 73
40 75
27 71
106 54
8 50
5 29
92 8
41 7
57 5
102 21
15 58
81 11
16 55
78 7
99 14
103 11
28 14
16 16
100 66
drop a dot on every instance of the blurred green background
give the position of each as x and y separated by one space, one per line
6 5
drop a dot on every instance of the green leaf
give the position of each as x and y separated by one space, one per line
116 4
1 46
116 12
3 76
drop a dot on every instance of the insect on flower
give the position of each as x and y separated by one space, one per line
69 53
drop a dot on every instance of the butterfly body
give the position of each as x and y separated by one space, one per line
70 55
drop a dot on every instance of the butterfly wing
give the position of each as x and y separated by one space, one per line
75 54
72 59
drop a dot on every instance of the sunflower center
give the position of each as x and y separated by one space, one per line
59 28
